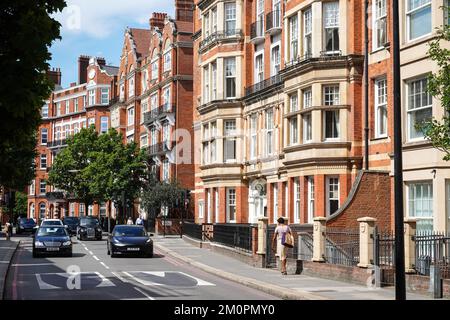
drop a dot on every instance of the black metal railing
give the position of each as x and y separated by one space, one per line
57 143
263 85
342 246
432 249
159 112
257 29
384 256
193 230
273 20
237 236
158 148
298 60
218 36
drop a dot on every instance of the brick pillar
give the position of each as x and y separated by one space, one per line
222 205
410 248
255 240
319 200
319 230
366 237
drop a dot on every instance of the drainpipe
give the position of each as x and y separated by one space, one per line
366 84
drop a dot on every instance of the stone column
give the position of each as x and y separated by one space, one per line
410 248
319 239
366 239
262 235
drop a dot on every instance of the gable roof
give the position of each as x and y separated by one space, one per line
141 39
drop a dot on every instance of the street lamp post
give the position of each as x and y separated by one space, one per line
400 289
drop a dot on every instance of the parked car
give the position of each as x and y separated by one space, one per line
25 225
89 228
130 239
52 240
72 224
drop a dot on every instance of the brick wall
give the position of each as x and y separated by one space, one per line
370 199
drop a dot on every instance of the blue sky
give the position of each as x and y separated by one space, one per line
96 27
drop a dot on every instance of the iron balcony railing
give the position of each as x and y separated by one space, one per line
273 20
257 29
57 143
158 113
263 85
158 148
218 36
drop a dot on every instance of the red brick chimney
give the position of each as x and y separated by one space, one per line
157 20
54 74
184 10
83 63
101 61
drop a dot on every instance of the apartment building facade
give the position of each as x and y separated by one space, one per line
154 107
66 111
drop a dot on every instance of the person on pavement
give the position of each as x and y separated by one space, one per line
280 231
139 221
130 221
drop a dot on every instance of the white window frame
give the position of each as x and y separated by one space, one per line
104 120
168 60
166 97
42 186
206 86
275 202
293 102
414 184
144 140
297 199
307 30
379 17
410 111
104 96
307 127
213 72
259 66
410 12
229 137
165 170
130 116
131 87
32 189
293 37
201 209
44 111
311 195
338 128
43 160
380 103
293 131
333 23
67 106
327 190
231 203
44 133
91 97
275 59
216 205
269 132
75 104
253 136
230 18
230 73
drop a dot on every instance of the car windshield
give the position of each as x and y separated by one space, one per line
71 220
49 231
129 232
25 220
88 222
52 223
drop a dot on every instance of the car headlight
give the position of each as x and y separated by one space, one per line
38 244
67 243
99 229
148 241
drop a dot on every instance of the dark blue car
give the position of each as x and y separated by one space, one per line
52 240
25 225
130 239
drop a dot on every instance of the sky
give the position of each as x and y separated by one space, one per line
96 28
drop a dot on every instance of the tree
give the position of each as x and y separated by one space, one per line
438 131
70 170
21 204
26 33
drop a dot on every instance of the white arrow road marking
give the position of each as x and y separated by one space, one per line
162 274
105 281
45 286
118 276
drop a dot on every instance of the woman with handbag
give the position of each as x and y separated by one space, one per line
284 234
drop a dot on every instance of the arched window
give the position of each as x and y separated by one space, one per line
32 211
167 56
42 210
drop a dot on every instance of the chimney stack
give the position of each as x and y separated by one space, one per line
101 61
157 20
184 10
54 74
83 63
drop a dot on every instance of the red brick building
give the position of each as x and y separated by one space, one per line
67 111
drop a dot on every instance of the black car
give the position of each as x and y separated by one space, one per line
72 224
52 240
130 239
89 228
25 225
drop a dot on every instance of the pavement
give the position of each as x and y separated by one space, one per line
93 275
269 280
7 249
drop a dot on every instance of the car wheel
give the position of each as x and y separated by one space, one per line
70 254
150 255
113 255
35 254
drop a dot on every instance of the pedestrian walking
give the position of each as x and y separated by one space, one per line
139 221
130 221
284 234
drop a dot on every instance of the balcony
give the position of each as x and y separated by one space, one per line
257 32
274 22
159 113
263 85
57 144
220 36
159 148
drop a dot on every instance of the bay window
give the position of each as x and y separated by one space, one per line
230 18
420 204
293 38
307 29
293 130
331 26
230 77
275 60
229 140
269 132
419 107
307 127
206 84
214 81
259 68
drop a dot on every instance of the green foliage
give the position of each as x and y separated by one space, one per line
20 208
26 32
98 168
158 194
438 131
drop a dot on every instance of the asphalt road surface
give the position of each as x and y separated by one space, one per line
92 274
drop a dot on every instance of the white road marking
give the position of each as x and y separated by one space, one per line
118 276
4 261
148 297
45 286
162 274
103 264
31 264
105 281
95 257
86 249
200 282
91 253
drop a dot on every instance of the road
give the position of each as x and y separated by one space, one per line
92 274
